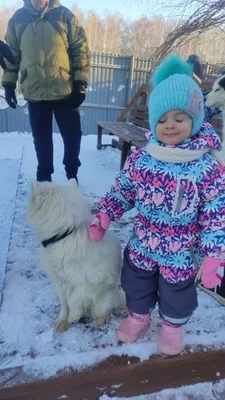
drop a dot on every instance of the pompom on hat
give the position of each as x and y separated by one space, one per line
174 88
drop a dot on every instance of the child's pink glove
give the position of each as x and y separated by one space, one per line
210 276
99 226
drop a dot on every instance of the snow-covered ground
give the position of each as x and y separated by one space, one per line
201 391
30 304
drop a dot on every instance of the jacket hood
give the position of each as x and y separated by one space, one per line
52 4
205 138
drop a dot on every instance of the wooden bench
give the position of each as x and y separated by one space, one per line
130 133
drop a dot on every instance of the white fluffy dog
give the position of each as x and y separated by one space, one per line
216 98
86 274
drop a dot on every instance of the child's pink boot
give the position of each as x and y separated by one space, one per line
170 339
133 327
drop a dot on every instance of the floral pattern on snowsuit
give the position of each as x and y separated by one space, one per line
180 208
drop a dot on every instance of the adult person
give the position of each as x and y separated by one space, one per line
51 52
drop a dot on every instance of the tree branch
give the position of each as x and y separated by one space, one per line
205 15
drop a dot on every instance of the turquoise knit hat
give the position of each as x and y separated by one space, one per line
174 88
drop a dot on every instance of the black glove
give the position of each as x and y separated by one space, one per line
79 93
5 52
10 96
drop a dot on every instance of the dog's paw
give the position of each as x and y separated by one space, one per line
61 325
100 321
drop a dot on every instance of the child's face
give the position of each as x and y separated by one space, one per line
174 127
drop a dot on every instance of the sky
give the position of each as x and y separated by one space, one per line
130 9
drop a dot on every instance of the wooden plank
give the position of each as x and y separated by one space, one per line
140 122
206 85
103 106
145 89
117 144
141 107
110 125
132 136
99 137
144 97
9 172
124 113
126 137
137 128
123 129
111 66
139 114
139 145
125 376
124 153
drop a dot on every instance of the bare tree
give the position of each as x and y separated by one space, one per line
94 28
201 16
126 38
5 14
146 36
78 13
111 32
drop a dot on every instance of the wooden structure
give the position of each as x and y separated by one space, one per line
118 376
131 133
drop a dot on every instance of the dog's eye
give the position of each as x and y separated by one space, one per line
217 90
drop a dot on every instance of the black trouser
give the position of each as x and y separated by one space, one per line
68 120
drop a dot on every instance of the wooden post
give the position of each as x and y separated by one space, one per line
99 138
145 88
124 152
119 376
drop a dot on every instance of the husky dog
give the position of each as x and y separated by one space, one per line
216 98
86 274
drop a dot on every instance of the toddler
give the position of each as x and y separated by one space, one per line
178 189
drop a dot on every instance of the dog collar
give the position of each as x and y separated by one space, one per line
56 238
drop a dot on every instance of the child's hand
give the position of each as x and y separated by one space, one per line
99 226
210 277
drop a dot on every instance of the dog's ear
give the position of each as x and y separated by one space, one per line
36 187
222 82
72 181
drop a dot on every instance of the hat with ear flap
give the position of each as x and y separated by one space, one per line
174 89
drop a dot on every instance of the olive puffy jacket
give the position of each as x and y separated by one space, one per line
51 51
